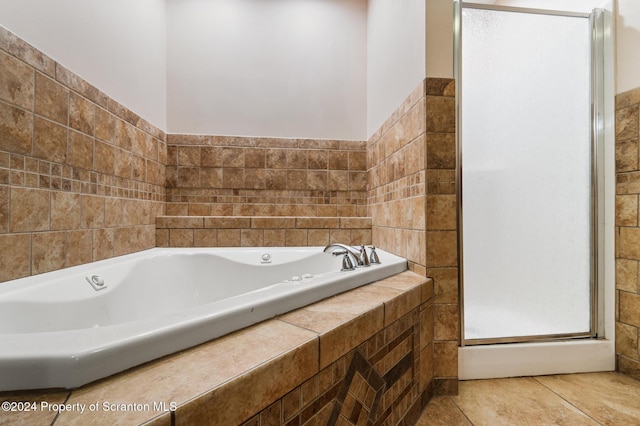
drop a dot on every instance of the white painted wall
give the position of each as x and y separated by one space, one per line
628 42
116 45
278 68
395 56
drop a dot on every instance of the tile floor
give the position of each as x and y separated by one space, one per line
571 399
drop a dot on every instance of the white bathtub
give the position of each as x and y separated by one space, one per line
57 331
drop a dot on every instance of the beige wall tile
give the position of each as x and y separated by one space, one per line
79 247
627 340
317 222
446 322
296 237
273 222
442 248
49 141
626 210
29 210
205 237
17 129
227 222
16 81
627 155
629 308
65 210
251 237
15 256
274 237
445 356
181 237
4 209
228 237
627 123
630 243
103 243
93 211
81 114
51 99
48 252
445 284
627 275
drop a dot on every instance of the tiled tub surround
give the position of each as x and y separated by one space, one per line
364 354
627 233
412 202
242 176
82 178
253 231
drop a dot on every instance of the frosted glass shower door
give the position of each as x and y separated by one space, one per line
526 175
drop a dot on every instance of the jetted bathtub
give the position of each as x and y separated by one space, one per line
66 328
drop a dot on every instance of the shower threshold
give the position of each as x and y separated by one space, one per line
535 359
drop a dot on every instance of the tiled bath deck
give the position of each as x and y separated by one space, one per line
571 399
300 368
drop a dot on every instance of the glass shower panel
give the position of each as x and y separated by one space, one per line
526 174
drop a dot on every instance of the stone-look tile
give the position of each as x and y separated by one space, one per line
80 151
627 340
627 123
442 248
15 256
16 82
296 237
65 210
627 98
609 398
227 222
628 366
273 222
318 237
251 238
442 411
181 237
180 222
81 114
204 237
104 159
445 284
189 156
51 100
317 222
49 141
16 128
445 355
629 308
627 155
228 238
441 212
29 210
441 151
626 210
446 322
4 209
180 377
440 114
495 402
105 126
231 404
48 252
629 243
627 275
103 243
93 209
79 248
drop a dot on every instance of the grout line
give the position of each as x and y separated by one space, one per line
461 410
535 378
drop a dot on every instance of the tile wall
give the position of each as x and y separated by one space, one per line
82 178
627 233
258 231
412 202
240 176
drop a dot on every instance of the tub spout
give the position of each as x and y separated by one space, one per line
360 255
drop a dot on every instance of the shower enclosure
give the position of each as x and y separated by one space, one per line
530 130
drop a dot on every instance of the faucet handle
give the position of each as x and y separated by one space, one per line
363 259
373 257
